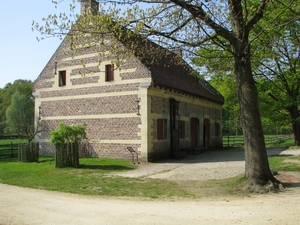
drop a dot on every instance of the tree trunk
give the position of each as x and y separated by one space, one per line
295 115
296 130
257 170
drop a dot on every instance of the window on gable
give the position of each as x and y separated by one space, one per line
109 72
161 129
181 128
62 78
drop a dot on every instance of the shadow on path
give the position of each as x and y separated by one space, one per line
224 155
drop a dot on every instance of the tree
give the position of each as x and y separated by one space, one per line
230 113
23 86
275 62
188 25
20 116
277 69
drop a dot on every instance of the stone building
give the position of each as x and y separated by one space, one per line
156 106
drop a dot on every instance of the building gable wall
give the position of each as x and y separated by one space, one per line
118 113
108 109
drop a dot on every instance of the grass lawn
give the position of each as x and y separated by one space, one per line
94 177
14 141
284 163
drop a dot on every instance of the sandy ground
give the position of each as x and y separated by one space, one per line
20 206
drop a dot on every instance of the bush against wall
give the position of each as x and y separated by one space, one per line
66 141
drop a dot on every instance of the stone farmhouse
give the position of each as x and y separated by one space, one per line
156 106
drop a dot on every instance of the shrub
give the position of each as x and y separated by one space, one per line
68 134
67 140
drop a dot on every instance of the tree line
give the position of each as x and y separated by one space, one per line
17 109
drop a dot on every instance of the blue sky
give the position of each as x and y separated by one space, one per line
21 55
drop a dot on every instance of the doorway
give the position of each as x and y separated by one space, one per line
194 132
206 131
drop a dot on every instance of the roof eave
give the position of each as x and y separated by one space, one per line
190 93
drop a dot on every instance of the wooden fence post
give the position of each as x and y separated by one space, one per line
67 155
12 149
28 152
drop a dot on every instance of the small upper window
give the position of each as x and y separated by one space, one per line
109 72
62 78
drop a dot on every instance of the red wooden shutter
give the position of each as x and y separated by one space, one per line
109 72
62 78
160 129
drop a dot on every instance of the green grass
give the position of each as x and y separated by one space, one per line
94 177
284 163
14 141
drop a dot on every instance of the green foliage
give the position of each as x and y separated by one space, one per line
68 134
277 67
23 86
230 113
275 62
20 116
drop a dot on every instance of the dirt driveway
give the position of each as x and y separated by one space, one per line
20 206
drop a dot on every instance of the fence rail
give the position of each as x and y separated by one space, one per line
9 149
4 137
237 140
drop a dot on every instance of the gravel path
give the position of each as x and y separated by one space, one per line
206 166
22 206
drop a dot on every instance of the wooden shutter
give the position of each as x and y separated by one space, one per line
160 129
62 78
109 72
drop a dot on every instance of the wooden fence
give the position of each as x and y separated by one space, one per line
4 137
238 140
10 150
67 155
28 152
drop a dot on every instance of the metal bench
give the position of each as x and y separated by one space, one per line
133 153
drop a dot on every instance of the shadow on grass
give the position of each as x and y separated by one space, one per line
43 160
105 167
8 159
284 155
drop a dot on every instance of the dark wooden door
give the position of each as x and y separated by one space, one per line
206 133
194 132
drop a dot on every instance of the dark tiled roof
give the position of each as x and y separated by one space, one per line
179 78
169 70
